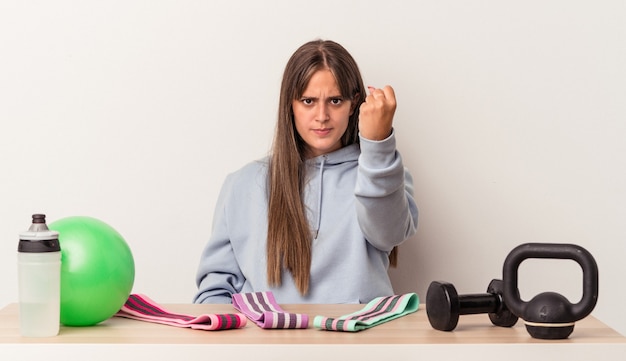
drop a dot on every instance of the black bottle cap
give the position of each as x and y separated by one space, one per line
40 246
39 238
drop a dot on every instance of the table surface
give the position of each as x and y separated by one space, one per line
407 333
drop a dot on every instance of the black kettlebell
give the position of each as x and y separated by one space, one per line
550 315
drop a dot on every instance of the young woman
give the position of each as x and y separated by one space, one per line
319 219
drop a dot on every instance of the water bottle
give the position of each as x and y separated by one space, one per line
39 279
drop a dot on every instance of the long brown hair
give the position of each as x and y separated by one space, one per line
288 234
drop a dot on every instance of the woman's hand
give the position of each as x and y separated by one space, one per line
376 113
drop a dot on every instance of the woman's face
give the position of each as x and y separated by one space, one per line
321 114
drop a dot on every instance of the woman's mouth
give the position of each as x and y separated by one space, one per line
322 131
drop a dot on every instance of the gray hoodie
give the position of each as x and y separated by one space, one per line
359 202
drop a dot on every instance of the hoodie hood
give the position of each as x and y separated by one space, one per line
349 153
345 157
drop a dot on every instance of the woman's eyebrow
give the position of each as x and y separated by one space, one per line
316 98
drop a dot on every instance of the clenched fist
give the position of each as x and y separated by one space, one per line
376 113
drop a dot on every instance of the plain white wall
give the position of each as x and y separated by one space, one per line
511 118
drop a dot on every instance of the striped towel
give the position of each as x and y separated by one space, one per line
262 309
142 308
378 311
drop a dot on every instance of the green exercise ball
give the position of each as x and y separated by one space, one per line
97 270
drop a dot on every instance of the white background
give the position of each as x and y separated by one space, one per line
511 117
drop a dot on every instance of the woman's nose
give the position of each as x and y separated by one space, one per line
322 113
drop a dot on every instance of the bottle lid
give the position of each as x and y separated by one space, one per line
39 238
48 245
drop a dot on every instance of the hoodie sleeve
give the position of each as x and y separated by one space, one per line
385 206
218 275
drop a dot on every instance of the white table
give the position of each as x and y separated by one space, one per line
475 338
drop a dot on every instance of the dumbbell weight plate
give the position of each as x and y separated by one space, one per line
442 306
503 317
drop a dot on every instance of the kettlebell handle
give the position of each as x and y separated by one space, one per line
551 251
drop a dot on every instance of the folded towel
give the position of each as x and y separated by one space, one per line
378 311
262 309
142 308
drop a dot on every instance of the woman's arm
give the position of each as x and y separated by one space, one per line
218 275
386 209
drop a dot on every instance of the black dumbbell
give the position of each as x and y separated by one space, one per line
444 305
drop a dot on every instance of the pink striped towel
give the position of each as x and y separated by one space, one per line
142 308
262 309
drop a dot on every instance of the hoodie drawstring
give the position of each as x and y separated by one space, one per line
319 199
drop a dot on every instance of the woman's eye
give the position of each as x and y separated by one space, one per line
307 101
336 101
